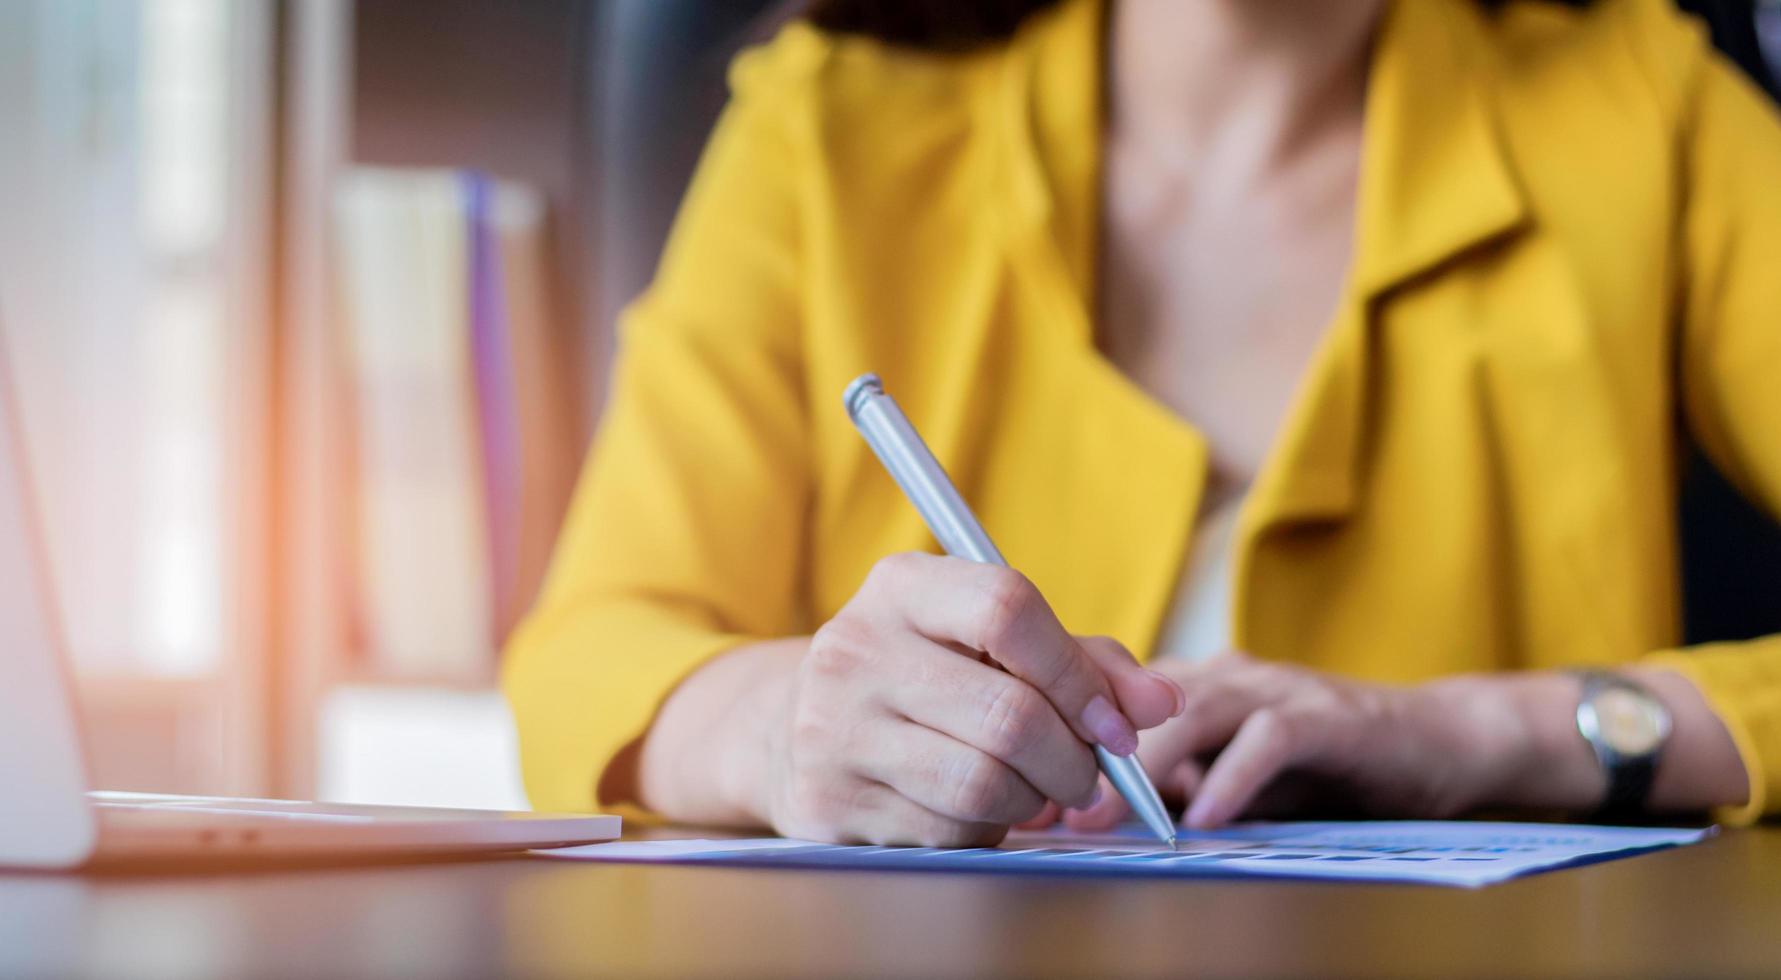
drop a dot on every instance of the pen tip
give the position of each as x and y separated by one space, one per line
1172 845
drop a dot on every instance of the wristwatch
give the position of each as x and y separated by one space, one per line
1627 727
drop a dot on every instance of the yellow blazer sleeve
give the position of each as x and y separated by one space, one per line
1730 365
685 533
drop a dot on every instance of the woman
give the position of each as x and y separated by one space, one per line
1349 335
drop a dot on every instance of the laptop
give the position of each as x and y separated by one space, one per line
50 819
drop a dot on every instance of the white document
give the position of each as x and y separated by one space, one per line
1465 853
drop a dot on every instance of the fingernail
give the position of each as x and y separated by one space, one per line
1110 728
1175 692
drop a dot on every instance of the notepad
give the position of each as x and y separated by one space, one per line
1459 853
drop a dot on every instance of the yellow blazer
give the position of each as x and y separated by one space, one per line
1568 235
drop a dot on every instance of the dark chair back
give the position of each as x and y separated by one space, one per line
659 85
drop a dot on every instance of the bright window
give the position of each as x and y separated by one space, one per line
124 295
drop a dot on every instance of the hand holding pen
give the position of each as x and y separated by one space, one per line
1014 628
943 704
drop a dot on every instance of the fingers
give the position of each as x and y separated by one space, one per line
1213 712
997 714
1147 697
886 817
999 612
1175 785
1267 743
1047 816
1213 709
1184 780
947 777
1107 811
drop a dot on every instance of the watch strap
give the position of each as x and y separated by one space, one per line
1629 786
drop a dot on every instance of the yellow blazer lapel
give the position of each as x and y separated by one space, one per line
1436 183
1436 179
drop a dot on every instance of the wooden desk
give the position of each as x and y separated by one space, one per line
1711 910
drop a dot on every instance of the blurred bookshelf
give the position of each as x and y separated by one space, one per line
440 376
296 301
461 457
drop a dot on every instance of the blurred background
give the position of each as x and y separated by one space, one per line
308 307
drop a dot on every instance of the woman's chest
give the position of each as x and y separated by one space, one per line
1216 307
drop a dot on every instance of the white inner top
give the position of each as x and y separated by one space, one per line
1198 624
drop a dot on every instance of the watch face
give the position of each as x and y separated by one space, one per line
1629 722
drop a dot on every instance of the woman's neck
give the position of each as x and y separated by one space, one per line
1246 83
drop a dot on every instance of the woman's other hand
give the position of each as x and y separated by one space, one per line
1267 739
900 732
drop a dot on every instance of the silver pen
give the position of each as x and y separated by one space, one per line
888 431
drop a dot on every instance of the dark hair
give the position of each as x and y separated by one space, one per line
946 25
